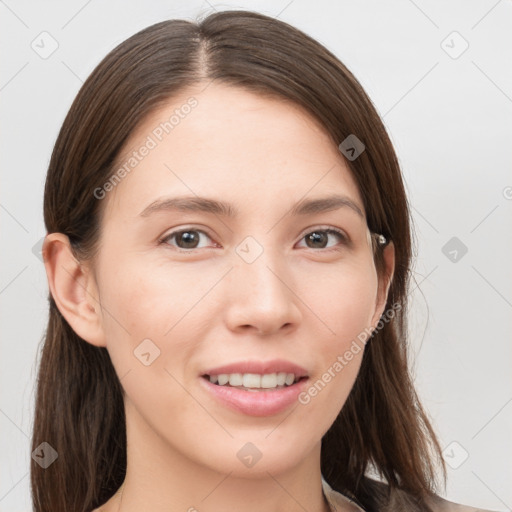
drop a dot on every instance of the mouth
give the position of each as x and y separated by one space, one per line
255 388
255 382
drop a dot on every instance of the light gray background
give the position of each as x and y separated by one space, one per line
450 118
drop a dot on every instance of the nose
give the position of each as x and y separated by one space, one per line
261 296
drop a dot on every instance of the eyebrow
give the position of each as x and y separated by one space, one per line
207 205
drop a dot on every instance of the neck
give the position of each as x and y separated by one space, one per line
161 478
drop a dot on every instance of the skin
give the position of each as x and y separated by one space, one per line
209 307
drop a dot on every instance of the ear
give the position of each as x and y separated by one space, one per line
384 282
73 288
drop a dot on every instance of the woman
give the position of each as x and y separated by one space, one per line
228 254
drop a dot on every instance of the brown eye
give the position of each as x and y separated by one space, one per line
185 239
319 238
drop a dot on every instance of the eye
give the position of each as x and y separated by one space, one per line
185 238
189 239
318 238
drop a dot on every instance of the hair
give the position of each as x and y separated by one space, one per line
79 407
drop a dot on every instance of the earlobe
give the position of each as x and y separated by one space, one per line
73 288
385 281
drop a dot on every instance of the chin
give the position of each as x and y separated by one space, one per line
254 458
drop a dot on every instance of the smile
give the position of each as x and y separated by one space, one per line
255 387
254 381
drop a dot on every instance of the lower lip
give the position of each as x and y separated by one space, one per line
256 403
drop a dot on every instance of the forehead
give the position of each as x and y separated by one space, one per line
229 143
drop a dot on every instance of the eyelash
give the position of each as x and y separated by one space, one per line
329 229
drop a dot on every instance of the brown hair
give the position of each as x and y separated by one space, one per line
79 402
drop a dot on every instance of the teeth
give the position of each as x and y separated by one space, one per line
251 380
289 379
269 380
281 378
254 380
223 379
236 379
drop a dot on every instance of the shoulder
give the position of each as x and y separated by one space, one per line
402 500
439 504
398 500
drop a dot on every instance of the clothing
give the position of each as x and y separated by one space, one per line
338 502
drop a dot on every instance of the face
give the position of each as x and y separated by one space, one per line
268 289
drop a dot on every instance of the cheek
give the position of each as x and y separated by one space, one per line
350 311
147 299
343 298
345 304
149 334
144 303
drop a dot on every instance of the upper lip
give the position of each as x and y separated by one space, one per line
259 367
